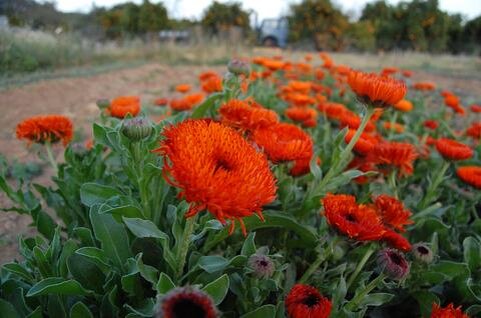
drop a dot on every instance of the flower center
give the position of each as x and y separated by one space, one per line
311 301
351 218
186 308
396 259
423 250
222 164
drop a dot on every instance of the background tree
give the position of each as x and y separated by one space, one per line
220 16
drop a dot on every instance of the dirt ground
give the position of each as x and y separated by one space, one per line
75 97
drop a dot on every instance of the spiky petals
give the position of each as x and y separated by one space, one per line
47 128
365 143
246 115
359 222
470 175
304 301
395 154
284 142
376 90
396 241
216 169
187 302
447 312
123 105
392 212
453 150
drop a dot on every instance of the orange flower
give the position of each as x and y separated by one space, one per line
387 71
376 90
451 101
241 114
187 102
362 164
431 124
298 99
470 175
216 169
300 87
206 75
359 222
453 150
161 101
353 121
396 240
273 65
123 105
183 88
396 154
364 145
328 63
392 212
332 110
284 142
475 108
404 105
397 127
212 84
407 73
474 130
306 116
447 312
424 86
47 128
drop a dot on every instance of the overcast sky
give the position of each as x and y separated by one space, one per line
265 8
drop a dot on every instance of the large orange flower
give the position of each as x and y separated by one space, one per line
246 115
395 154
47 128
375 90
453 150
123 105
284 142
392 212
216 169
470 175
359 222
212 84
447 312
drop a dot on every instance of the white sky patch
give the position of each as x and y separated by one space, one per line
193 9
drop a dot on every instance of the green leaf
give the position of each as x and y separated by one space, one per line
266 311
19 270
218 288
376 299
86 272
472 253
144 228
212 264
96 255
45 224
425 300
473 310
93 193
100 134
80 310
112 235
340 292
449 269
7 310
249 246
58 286
165 284
203 108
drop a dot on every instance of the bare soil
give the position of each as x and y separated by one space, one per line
76 97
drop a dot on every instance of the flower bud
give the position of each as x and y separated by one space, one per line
393 263
103 104
239 67
137 128
422 253
79 149
262 265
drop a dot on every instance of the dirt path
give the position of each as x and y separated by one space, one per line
75 97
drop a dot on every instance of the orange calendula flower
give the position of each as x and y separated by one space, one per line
387 71
183 88
161 101
397 127
474 130
424 86
470 175
46 128
359 222
407 73
447 312
353 121
212 84
396 240
206 75
431 124
300 87
375 90
305 115
395 154
332 110
404 105
453 150
187 102
123 105
284 142
216 169
304 301
245 115
364 145
392 212
475 108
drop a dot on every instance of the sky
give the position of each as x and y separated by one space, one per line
265 8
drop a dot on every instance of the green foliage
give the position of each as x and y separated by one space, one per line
219 17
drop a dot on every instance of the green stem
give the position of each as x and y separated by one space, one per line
360 296
185 244
392 182
339 164
314 266
393 121
359 267
51 158
435 183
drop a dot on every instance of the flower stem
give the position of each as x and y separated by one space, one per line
359 267
185 244
435 183
373 284
314 266
392 182
51 158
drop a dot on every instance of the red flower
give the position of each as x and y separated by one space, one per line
376 90
424 86
187 302
474 130
392 212
447 312
453 150
161 101
304 301
47 128
475 108
212 84
123 105
359 222
395 154
216 169
242 114
365 143
396 241
431 124
306 116
470 175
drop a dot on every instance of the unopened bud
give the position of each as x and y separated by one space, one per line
103 104
79 149
422 253
262 265
137 128
239 67
393 263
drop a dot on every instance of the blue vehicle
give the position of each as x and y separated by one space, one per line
273 32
